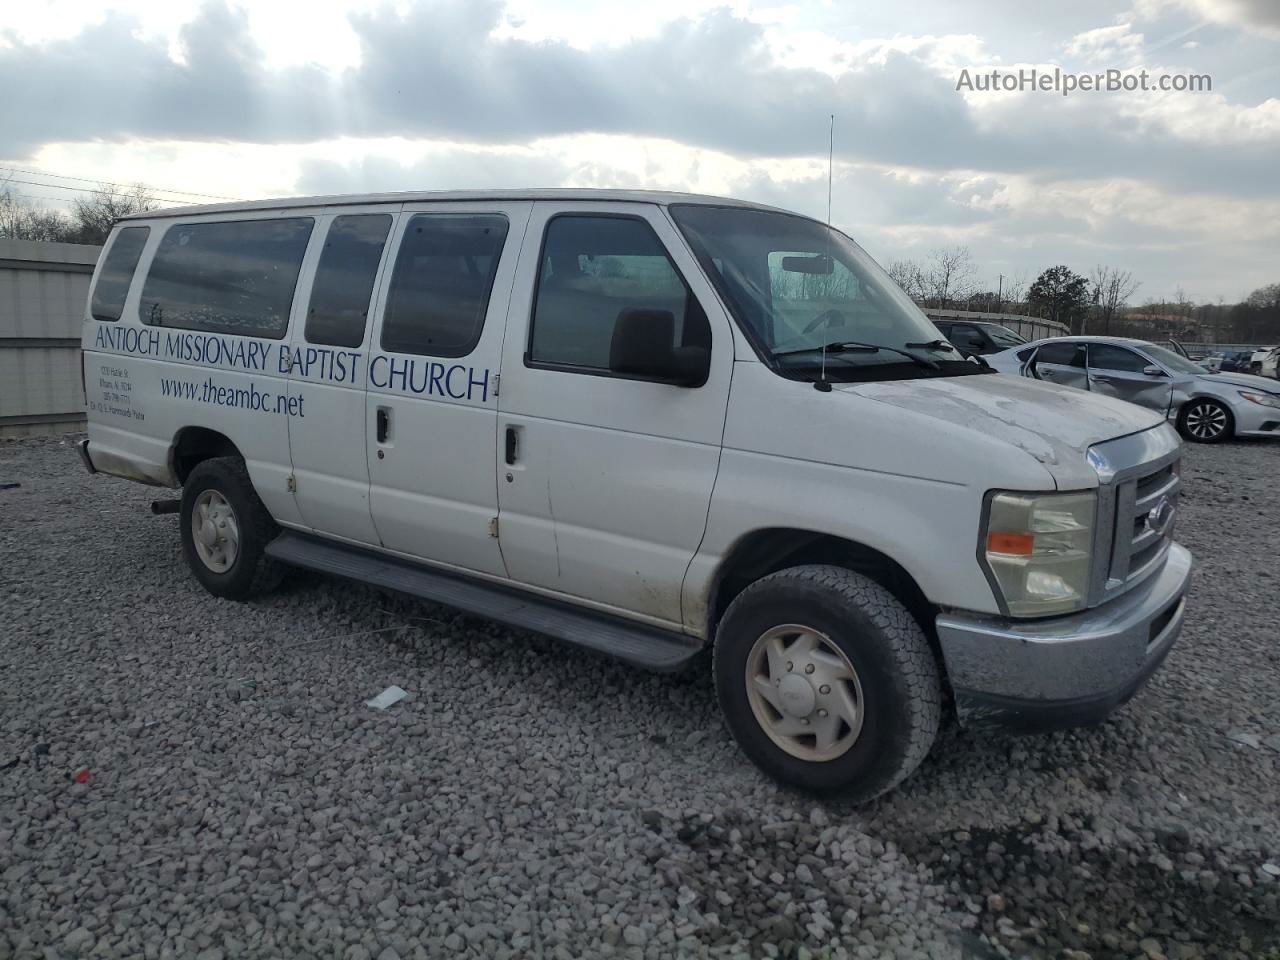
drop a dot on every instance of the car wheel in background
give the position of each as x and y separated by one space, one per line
1206 421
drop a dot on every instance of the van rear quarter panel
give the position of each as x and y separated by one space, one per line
140 397
145 384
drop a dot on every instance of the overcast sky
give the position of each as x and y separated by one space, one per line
252 101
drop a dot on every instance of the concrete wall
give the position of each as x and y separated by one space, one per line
43 289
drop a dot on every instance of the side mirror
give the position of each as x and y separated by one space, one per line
642 346
1153 371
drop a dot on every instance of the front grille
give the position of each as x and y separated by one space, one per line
1137 502
1145 508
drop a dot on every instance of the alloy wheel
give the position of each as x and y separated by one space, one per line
1206 421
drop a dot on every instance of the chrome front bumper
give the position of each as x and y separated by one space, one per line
1066 671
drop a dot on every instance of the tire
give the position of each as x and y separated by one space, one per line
1203 420
221 486
895 679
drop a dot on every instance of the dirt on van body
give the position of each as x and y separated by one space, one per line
184 776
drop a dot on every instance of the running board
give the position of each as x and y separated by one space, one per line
635 643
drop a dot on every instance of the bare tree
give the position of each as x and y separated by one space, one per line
950 275
910 277
1015 289
20 219
1112 289
95 214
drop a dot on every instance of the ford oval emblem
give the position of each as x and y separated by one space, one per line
1160 519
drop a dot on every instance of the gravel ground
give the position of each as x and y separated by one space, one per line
242 801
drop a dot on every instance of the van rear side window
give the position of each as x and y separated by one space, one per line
344 280
112 288
233 277
440 289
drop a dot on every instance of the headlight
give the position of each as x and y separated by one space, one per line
1037 549
1263 399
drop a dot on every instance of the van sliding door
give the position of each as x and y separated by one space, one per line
431 406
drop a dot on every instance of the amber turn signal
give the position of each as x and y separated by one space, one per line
1011 544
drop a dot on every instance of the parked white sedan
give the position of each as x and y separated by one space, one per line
1206 407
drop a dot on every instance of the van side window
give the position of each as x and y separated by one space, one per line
595 269
117 273
441 284
344 280
233 277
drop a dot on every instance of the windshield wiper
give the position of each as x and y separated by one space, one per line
931 345
854 346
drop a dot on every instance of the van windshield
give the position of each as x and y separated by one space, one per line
797 286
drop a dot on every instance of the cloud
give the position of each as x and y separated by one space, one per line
442 70
1116 46
447 93
1262 15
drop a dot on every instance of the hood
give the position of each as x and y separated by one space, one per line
1054 424
1246 380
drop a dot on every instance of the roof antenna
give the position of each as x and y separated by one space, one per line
822 383
831 143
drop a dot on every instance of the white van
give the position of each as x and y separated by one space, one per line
648 424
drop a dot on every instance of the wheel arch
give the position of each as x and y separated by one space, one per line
193 445
768 550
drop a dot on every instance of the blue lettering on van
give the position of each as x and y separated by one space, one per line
237 353
321 363
143 343
429 378
217 350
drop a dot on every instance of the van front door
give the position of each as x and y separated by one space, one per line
328 368
431 415
605 479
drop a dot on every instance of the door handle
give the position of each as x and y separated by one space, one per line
383 423
512 446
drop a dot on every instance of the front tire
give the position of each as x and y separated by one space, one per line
827 682
1206 421
225 530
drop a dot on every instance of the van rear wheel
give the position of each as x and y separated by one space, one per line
225 530
827 682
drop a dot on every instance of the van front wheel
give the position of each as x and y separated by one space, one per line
225 529
827 682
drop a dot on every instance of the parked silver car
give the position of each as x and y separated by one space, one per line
1206 407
